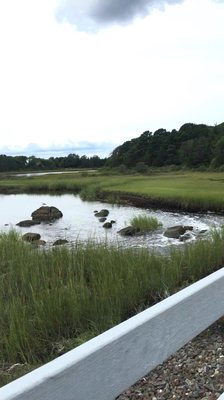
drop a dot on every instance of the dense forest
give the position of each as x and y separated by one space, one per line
193 146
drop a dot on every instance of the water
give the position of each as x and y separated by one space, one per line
29 174
79 223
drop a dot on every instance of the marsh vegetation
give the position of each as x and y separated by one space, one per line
54 299
50 300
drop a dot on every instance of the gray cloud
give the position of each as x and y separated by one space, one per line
93 14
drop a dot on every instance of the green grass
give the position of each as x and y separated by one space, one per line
52 300
204 190
145 223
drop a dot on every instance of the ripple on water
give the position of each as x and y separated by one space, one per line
79 222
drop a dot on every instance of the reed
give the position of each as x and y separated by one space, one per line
145 223
53 299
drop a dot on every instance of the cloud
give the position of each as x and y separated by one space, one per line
102 149
92 14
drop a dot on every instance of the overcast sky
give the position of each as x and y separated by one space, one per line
86 75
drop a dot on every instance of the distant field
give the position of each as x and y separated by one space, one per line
189 188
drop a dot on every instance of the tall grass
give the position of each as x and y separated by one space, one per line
57 296
145 223
184 190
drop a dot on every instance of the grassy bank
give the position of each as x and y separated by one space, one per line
51 300
188 191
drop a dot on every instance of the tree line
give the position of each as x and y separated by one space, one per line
193 146
23 163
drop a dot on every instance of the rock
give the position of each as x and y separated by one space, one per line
185 237
107 225
102 219
129 231
31 237
203 231
27 223
188 227
46 213
176 231
39 242
102 213
60 242
113 222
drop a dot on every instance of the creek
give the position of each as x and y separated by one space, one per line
79 222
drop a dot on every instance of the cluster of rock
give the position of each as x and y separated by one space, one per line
42 214
102 215
180 232
50 214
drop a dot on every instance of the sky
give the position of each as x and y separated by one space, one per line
83 76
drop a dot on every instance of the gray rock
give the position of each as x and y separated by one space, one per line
102 219
129 231
31 237
176 231
46 213
59 242
102 213
27 223
107 225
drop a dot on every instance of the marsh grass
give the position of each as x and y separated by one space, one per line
183 190
145 223
61 297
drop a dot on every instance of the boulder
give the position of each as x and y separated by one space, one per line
129 231
27 223
107 225
59 242
175 232
46 213
102 219
102 213
31 237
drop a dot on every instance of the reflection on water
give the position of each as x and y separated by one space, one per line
28 174
79 222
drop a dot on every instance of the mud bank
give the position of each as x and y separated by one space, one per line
157 203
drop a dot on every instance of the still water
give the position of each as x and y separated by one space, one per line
79 223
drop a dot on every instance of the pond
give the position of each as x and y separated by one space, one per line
79 222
